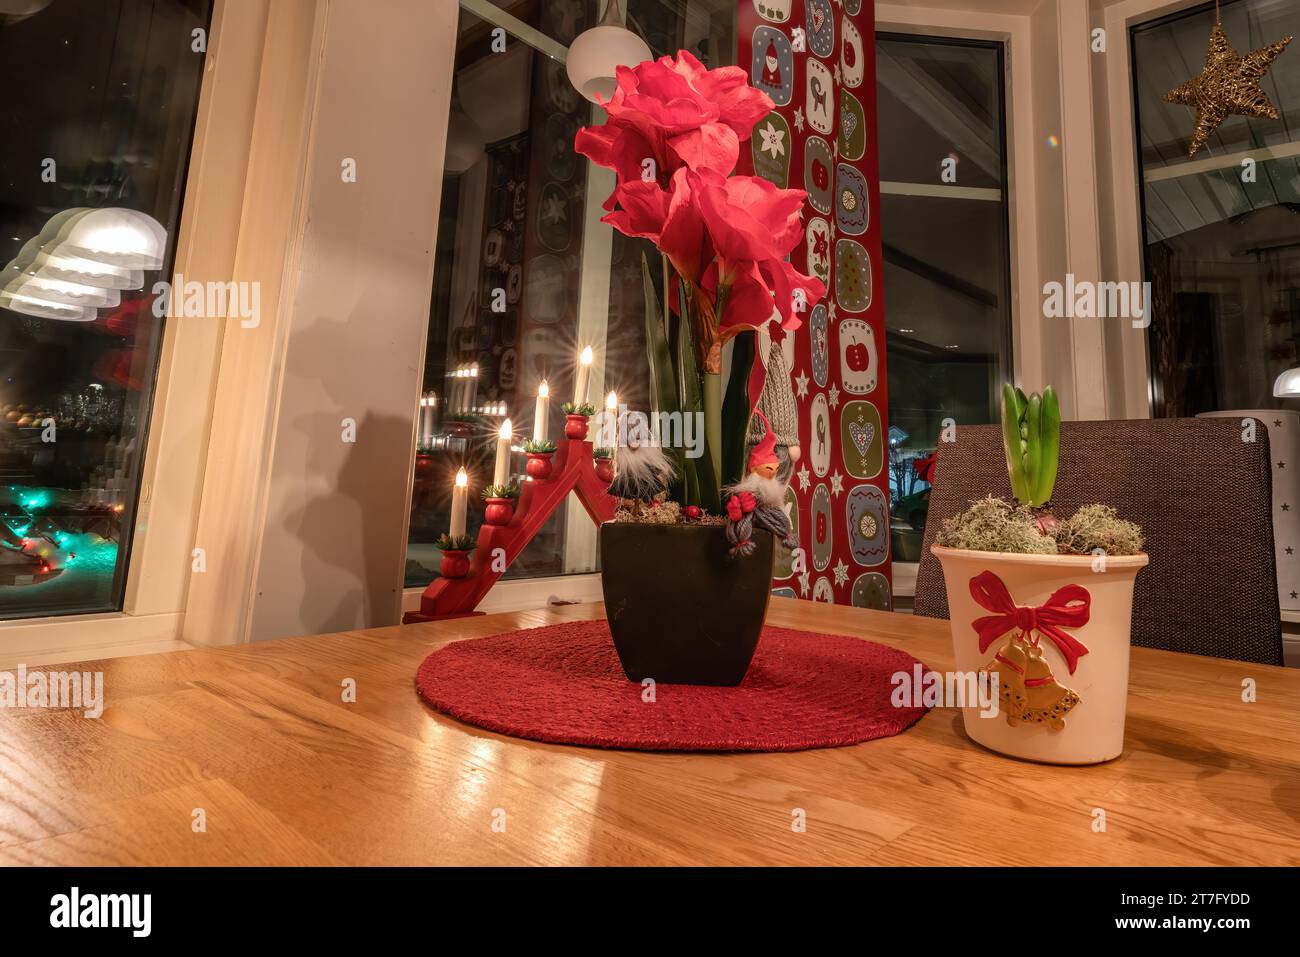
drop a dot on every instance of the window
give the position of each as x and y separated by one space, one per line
946 253
103 122
522 278
1222 252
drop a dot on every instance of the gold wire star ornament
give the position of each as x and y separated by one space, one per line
1229 85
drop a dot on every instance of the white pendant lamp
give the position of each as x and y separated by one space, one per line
596 54
42 264
1287 385
45 309
58 291
111 235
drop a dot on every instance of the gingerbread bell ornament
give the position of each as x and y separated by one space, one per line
1047 701
1020 661
1008 667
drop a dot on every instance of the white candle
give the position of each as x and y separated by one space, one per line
459 503
426 418
542 411
453 392
502 475
609 434
473 385
584 373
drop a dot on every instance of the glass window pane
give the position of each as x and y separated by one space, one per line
1220 244
522 279
102 116
947 269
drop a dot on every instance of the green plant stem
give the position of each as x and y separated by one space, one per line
713 421
667 293
736 406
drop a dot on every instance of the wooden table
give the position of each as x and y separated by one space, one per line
286 773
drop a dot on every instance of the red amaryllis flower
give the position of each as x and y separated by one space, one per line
748 219
669 219
675 113
762 291
793 293
739 105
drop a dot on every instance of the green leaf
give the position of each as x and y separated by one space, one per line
1033 460
701 483
663 378
1050 454
1011 443
736 409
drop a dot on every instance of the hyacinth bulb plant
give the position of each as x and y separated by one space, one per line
673 137
1041 607
1031 440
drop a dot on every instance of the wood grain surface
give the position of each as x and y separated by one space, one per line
286 772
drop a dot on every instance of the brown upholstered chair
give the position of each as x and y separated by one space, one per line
1202 496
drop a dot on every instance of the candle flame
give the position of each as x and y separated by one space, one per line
543 390
586 356
505 429
462 478
473 370
611 401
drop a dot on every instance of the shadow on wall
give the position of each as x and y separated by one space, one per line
343 517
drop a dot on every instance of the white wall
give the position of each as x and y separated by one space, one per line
333 546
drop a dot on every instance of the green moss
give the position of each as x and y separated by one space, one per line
1095 527
994 525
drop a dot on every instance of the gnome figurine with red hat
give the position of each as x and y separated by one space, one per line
758 499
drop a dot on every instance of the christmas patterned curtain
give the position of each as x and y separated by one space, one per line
825 392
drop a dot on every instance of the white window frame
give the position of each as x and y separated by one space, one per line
1012 32
173 467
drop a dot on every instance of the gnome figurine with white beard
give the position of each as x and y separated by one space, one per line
758 499
642 471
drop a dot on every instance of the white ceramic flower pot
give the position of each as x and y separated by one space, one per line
1047 610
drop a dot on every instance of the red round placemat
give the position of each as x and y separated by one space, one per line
563 684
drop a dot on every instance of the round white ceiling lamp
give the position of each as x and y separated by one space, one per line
43 264
596 54
58 291
1287 385
112 235
45 309
13 11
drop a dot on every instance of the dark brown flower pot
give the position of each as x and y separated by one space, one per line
680 611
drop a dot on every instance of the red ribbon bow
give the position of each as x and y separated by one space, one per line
739 504
1066 607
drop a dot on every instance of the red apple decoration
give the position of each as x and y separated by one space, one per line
858 357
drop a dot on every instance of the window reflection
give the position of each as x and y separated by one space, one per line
93 162
526 276
1222 249
945 246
